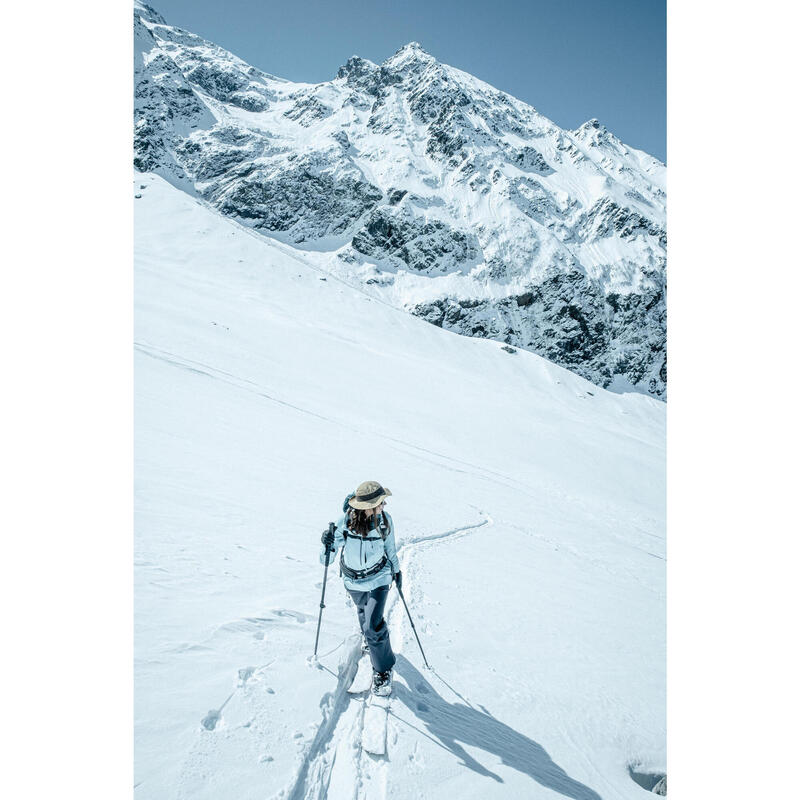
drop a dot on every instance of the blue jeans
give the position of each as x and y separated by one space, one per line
369 606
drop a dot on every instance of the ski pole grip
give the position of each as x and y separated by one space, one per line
328 548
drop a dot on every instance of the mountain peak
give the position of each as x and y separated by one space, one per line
594 132
593 124
413 46
408 54
356 67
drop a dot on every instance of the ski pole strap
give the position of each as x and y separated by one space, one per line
360 574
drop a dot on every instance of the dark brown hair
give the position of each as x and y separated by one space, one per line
359 522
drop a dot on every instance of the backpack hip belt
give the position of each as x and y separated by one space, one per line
360 574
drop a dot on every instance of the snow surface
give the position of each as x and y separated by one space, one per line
530 514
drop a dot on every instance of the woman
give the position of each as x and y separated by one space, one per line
368 566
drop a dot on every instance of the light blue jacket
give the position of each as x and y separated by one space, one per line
362 554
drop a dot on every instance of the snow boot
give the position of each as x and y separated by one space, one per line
382 683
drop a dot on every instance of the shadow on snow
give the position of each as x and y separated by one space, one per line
451 723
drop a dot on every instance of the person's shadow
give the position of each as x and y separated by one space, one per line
451 723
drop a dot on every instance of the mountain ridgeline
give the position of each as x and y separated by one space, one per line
435 191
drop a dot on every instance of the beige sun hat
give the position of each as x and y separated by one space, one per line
369 495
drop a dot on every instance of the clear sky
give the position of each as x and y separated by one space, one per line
570 59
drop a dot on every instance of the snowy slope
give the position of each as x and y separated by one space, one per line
432 189
529 507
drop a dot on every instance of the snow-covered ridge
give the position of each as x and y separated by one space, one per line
439 193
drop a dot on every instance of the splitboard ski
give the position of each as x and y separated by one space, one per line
376 709
376 717
363 679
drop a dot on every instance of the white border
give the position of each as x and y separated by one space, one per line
66 316
732 444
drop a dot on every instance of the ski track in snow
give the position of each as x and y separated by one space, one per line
218 374
312 780
341 729
453 465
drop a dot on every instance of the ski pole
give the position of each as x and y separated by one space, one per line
413 627
331 529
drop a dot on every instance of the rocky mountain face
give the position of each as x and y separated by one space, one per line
435 191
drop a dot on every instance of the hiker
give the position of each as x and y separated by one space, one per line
368 565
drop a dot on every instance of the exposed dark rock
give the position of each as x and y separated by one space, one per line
326 204
567 320
536 201
606 216
525 299
531 160
396 195
367 77
308 110
163 99
219 83
249 101
421 245
356 70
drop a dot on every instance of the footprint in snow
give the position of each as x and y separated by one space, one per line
299 616
210 720
245 674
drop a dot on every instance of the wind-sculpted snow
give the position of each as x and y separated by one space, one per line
431 187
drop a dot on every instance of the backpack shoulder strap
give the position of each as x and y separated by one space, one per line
384 526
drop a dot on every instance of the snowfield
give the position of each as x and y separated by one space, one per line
529 506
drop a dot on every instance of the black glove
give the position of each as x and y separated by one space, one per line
328 538
398 579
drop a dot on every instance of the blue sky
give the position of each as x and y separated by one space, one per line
570 59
